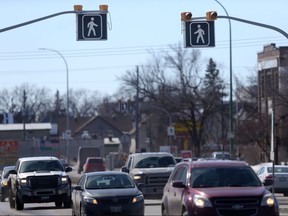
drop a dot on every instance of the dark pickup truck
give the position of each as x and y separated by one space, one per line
150 171
39 180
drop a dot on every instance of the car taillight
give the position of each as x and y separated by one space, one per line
269 177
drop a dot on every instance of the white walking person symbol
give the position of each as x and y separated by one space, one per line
200 33
91 25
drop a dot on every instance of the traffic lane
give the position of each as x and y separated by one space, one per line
152 207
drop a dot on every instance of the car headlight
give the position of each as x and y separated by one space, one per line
64 180
138 198
268 200
201 201
90 199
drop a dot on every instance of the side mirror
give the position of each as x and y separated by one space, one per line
78 188
68 169
13 172
124 169
178 184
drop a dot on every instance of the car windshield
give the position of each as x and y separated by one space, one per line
155 161
109 181
223 177
43 165
278 169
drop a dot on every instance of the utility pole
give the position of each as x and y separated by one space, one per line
24 113
137 110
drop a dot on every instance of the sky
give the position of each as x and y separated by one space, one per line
135 28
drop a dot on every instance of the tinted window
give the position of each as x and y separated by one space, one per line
223 177
42 165
180 175
278 169
151 162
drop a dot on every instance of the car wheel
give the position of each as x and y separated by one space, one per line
184 212
58 204
19 205
11 200
82 211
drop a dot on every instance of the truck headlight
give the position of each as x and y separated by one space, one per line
4 183
64 179
137 177
23 181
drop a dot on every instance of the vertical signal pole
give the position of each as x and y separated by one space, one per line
137 109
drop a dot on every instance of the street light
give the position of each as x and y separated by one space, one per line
67 99
231 132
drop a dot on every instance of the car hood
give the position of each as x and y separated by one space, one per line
41 173
231 191
153 170
114 192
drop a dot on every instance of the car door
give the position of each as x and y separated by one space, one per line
78 194
176 194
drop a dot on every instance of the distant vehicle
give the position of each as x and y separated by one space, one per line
4 182
93 164
217 187
150 171
107 193
178 159
39 180
83 153
265 173
220 155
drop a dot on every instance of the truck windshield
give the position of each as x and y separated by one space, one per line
154 161
34 166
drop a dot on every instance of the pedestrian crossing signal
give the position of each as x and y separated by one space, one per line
211 15
185 16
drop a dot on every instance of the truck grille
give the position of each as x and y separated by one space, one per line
237 207
157 179
42 182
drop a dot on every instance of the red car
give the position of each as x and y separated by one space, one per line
93 164
217 188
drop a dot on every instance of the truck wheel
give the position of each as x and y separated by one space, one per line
58 204
11 201
19 205
67 204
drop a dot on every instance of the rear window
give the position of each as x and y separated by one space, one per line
95 161
278 169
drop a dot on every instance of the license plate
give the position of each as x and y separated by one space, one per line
115 209
44 197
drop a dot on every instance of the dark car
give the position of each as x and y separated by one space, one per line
4 182
107 193
217 187
93 164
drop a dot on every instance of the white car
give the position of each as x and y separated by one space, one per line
265 173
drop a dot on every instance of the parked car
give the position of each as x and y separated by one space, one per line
265 173
106 193
150 171
93 164
217 187
4 182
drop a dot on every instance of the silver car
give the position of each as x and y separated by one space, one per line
265 173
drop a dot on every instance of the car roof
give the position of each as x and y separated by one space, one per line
217 163
106 173
38 158
152 153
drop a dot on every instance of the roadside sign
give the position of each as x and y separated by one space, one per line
91 26
199 34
